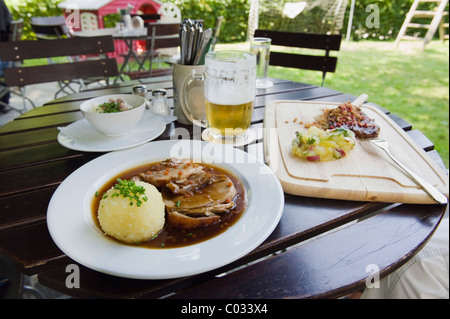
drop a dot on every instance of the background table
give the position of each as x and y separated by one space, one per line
320 249
129 38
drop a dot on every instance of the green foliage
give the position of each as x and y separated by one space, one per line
235 13
26 9
234 26
110 20
312 20
392 13
388 15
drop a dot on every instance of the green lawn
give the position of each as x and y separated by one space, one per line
411 83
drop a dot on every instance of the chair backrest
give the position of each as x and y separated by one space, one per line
50 27
16 30
23 50
216 32
159 36
148 18
162 35
324 42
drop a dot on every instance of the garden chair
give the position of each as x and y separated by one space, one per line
159 36
15 35
18 76
147 18
16 30
216 32
324 42
50 28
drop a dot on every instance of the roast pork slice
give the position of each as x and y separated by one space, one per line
192 182
171 170
220 190
207 210
202 206
178 220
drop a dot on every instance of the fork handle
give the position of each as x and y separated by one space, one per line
427 187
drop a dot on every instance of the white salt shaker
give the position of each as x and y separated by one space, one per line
159 102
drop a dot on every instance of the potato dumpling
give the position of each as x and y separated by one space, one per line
129 216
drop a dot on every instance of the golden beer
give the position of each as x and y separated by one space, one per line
229 119
229 85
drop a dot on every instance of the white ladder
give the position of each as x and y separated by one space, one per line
436 22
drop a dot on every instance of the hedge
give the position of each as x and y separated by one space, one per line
26 9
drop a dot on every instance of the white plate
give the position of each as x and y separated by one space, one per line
72 228
81 136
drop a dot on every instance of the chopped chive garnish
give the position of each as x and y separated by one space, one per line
129 189
311 140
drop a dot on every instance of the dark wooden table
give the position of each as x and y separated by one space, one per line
320 249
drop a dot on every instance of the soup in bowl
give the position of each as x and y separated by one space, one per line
114 115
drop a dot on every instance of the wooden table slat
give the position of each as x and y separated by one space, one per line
43 153
295 278
31 248
420 138
39 176
28 138
401 122
25 208
60 119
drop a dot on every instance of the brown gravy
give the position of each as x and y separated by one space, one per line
171 237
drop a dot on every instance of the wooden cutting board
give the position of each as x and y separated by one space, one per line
365 174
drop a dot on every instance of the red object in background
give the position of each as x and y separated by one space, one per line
92 13
102 8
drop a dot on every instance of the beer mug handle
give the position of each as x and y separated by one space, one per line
184 99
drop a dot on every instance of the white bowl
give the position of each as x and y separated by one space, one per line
114 124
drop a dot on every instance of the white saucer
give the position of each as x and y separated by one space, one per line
81 136
249 138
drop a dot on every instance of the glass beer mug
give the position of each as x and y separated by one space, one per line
230 90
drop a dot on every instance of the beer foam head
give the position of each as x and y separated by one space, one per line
230 77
